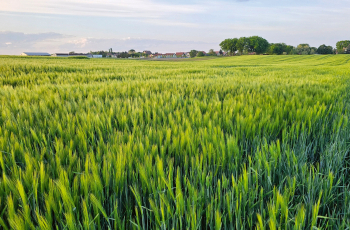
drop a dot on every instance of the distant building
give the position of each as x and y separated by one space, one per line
34 54
347 50
96 56
170 55
157 55
180 55
60 55
147 52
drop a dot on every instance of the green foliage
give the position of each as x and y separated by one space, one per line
200 54
78 57
103 53
229 45
193 53
251 142
212 53
323 49
123 55
279 49
242 43
341 45
304 49
255 44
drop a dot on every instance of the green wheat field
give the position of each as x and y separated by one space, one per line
249 142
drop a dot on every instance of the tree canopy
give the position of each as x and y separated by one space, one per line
242 43
257 44
279 48
245 44
200 54
193 53
229 45
341 45
323 49
212 52
304 49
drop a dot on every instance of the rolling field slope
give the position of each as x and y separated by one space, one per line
250 142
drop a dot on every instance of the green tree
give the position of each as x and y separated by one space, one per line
229 45
341 46
193 53
276 49
242 43
212 53
123 55
257 44
200 54
279 48
303 49
132 51
323 49
289 49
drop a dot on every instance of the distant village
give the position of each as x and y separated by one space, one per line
130 54
253 45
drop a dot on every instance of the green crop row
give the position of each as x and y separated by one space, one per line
258 142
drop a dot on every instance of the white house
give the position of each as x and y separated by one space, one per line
96 56
34 54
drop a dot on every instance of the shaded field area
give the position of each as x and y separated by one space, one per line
249 142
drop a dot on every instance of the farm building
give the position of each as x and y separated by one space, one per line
34 54
60 55
96 56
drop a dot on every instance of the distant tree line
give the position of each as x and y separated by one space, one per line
259 45
126 54
246 45
343 47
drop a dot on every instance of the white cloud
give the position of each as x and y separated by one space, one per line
16 43
109 8
139 44
173 23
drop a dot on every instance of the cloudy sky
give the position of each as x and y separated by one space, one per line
164 25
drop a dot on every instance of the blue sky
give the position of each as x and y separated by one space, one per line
166 26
